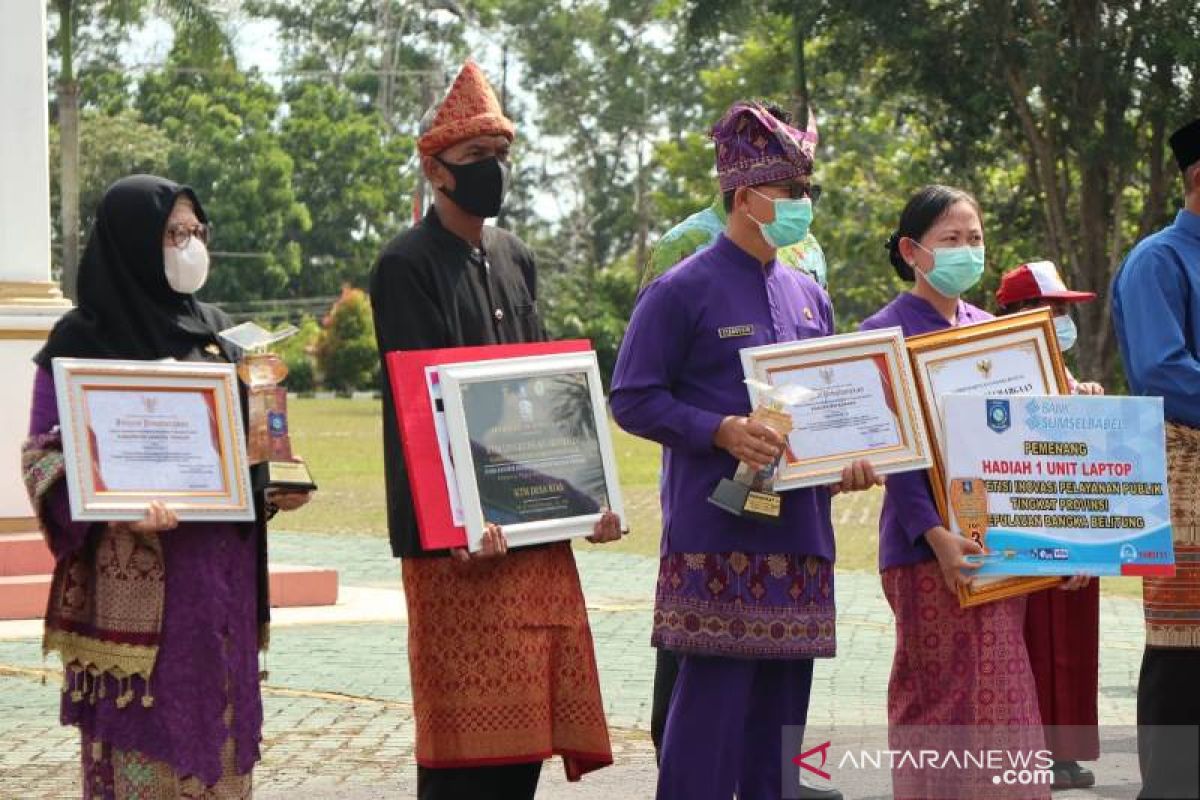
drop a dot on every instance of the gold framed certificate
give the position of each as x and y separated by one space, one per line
1007 356
138 431
862 403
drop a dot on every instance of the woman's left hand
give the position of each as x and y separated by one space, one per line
608 529
857 477
1090 387
288 501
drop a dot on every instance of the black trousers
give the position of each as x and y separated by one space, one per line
508 782
666 670
1168 710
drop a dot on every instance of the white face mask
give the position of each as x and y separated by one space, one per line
187 266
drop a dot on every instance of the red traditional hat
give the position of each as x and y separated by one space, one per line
1037 280
469 109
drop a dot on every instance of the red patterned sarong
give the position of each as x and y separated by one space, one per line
960 681
502 661
1172 605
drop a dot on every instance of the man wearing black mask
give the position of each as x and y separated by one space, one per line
500 653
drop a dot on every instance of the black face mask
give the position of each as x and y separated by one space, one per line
479 187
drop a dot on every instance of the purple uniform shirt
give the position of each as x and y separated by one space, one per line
908 506
679 374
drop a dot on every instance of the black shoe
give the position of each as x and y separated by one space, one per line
810 792
1069 775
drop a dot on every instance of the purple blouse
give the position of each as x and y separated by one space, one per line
208 653
908 506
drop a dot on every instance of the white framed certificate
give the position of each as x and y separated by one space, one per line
864 405
531 445
138 431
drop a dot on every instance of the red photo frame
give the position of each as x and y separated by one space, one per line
414 418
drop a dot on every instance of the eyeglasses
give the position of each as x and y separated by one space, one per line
799 191
179 235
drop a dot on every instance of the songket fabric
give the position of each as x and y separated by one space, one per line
961 667
1172 605
502 662
111 773
745 605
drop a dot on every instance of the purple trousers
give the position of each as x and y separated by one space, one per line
724 727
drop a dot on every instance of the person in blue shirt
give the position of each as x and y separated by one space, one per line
1156 311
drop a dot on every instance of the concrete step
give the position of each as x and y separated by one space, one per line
24 554
24 596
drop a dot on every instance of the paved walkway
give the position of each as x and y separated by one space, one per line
338 707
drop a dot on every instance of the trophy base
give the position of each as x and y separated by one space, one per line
740 500
284 476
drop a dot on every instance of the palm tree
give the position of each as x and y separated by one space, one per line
193 18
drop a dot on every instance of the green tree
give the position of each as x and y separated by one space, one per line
220 123
350 173
111 147
346 352
1083 93
99 26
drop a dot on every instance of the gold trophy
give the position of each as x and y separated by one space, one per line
269 447
750 493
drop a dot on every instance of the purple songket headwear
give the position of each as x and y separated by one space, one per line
754 148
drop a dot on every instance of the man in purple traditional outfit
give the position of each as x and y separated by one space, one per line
746 605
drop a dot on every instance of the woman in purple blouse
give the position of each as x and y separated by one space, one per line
157 623
953 666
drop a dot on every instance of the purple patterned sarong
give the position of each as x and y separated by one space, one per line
745 605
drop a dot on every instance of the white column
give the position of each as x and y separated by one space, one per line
24 156
29 302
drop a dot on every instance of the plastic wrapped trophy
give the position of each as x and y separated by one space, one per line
269 447
750 493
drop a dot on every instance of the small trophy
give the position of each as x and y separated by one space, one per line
751 493
269 448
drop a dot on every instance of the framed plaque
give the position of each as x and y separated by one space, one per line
415 384
1007 356
138 431
531 446
862 404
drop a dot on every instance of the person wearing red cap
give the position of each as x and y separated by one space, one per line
1156 316
1062 628
499 647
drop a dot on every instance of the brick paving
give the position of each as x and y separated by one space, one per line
338 707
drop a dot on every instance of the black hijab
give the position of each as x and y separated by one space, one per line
126 307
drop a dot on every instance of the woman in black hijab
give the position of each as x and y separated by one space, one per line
157 622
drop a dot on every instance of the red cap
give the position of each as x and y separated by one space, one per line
1037 280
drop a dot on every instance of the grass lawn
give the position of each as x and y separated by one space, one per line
342 441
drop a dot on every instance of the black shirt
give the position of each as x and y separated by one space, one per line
431 289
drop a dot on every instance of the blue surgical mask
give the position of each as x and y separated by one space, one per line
955 269
792 220
1068 334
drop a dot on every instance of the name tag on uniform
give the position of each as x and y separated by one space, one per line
733 331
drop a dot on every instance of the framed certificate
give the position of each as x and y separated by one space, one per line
138 431
531 446
1007 356
864 405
